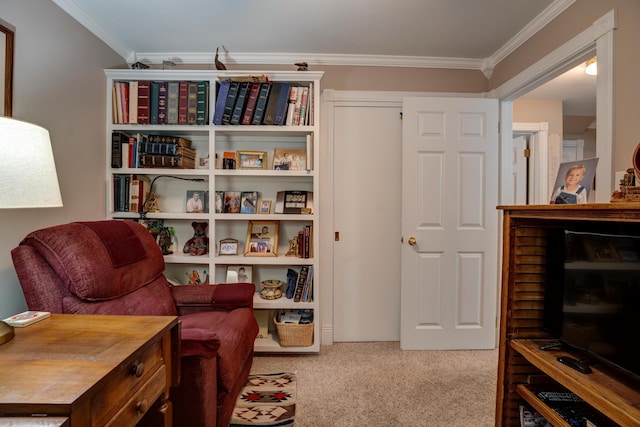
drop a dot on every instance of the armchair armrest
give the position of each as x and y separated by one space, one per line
199 342
207 297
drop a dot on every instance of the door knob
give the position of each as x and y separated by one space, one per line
412 241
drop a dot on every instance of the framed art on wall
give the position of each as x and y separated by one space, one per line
7 34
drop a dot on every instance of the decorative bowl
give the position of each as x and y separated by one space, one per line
271 289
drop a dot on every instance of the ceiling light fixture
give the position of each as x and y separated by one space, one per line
592 67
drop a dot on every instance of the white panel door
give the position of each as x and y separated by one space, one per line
367 181
449 223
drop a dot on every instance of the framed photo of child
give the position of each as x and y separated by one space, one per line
574 182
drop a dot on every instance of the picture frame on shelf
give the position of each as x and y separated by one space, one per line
265 207
239 274
219 202
249 202
294 202
228 247
262 239
229 160
293 159
203 162
196 201
252 160
232 201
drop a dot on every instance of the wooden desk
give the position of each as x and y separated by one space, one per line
96 370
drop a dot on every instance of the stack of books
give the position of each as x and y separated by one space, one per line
258 102
151 151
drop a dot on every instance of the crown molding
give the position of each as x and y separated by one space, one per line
278 58
547 15
485 65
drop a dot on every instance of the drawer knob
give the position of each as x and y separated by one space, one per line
142 407
138 369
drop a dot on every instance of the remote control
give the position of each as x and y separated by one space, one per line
575 364
552 344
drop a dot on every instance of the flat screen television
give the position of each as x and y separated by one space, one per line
592 296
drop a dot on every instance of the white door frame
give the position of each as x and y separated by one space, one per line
539 160
598 39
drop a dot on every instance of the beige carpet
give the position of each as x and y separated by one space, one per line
377 384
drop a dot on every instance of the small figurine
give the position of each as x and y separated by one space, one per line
139 66
164 241
194 278
293 247
199 243
152 203
219 65
302 66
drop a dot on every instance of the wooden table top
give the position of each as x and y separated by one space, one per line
56 360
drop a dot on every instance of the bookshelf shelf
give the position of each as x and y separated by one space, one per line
210 142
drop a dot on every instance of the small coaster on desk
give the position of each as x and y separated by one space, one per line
27 318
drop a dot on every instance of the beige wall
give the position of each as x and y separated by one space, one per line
571 22
59 84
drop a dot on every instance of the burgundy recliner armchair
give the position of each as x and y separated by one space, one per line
116 267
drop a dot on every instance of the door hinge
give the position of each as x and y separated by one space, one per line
336 236
527 153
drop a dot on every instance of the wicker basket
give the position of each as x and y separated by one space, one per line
293 334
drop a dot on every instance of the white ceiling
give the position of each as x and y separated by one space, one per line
467 34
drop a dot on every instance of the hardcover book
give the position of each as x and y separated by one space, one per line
230 102
282 104
173 93
153 103
162 103
202 109
133 101
261 104
251 104
144 92
221 100
238 109
183 100
272 103
192 102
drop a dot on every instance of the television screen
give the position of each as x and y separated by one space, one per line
592 296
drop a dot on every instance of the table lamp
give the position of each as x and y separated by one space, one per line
27 175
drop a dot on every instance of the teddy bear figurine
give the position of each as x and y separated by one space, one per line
199 243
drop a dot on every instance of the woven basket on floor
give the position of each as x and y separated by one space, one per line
293 334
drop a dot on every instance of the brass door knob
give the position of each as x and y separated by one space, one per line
412 241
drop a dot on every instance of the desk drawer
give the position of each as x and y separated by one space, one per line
139 404
126 381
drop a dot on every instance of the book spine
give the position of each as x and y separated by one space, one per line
272 103
202 108
281 107
251 104
183 100
162 103
173 93
169 139
154 94
166 161
124 94
261 104
238 109
192 102
221 100
302 278
144 89
117 139
230 102
291 107
133 102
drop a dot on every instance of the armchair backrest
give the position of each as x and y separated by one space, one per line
101 267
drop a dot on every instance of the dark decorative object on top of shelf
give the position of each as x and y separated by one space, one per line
302 66
219 64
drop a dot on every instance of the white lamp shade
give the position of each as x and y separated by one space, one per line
27 170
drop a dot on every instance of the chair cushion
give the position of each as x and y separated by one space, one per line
82 260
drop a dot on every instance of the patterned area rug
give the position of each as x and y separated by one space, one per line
266 400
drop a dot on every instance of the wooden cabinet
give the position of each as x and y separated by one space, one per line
527 232
211 142
94 370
